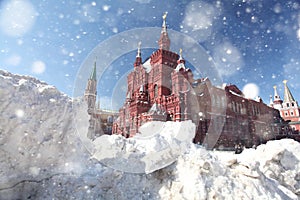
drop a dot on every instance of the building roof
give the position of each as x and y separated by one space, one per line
288 97
147 66
93 74
234 90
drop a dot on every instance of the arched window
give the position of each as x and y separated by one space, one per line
110 119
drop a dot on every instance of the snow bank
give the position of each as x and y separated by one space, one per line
42 158
158 145
36 131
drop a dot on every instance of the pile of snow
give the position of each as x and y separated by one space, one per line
42 158
158 145
36 131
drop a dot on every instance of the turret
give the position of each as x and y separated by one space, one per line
288 97
277 103
138 58
164 41
91 90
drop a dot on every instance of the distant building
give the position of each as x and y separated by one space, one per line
162 88
288 108
100 121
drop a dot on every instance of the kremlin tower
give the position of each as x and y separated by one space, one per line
289 109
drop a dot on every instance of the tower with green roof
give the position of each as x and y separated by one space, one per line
91 90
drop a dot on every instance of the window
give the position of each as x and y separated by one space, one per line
233 106
155 91
287 105
292 113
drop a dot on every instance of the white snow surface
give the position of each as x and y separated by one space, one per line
41 157
158 145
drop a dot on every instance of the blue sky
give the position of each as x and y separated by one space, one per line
250 41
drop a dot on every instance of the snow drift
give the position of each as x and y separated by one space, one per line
42 158
158 145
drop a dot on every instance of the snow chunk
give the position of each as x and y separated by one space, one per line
147 152
42 88
22 81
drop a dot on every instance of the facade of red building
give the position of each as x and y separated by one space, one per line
163 89
155 89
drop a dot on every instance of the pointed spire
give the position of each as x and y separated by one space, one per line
180 54
164 25
288 97
180 63
277 103
180 60
139 49
138 59
93 74
276 96
164 41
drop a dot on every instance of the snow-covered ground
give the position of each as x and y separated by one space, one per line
42 157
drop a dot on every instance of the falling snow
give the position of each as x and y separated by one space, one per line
17 17
38 67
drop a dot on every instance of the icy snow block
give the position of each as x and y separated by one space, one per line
147 152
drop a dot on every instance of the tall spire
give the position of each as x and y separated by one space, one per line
164 41
288 97
139 49
277 101
94 74
138 58
276 96
180 60
164 25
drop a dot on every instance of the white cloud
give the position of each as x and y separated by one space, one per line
17 17
13 60
38 67
251 90
199 19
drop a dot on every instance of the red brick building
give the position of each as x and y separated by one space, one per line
162 88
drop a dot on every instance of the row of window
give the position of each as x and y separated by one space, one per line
287 113
237 107
292 104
